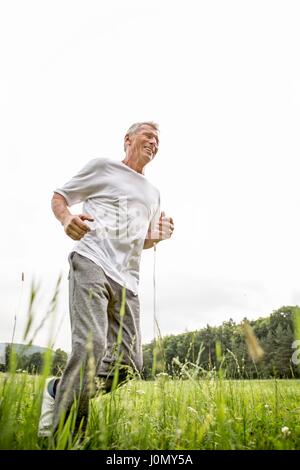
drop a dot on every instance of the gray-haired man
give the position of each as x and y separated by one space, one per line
121 217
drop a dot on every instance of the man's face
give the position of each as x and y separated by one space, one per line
143 144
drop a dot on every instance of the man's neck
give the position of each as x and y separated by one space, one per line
134 166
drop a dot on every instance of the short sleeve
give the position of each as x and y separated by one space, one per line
83 184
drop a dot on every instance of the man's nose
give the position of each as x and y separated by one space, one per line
153 142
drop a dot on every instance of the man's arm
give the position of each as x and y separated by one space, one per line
73 224
149 243
162 231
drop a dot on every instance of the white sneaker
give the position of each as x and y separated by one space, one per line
47 412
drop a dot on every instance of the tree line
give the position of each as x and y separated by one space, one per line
262 348
33 363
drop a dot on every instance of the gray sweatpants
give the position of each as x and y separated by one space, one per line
94 303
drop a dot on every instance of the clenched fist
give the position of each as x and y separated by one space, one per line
165 226
74 226
163 229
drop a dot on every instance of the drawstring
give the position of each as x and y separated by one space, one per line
158 348
154 293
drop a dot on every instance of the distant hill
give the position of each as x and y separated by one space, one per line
21 349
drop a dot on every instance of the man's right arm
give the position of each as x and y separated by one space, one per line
73 224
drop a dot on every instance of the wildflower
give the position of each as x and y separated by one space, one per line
285 430
163 375
192 410
267 406
140 392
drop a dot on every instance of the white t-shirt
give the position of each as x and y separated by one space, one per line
124 204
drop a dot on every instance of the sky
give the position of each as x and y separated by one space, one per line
222 79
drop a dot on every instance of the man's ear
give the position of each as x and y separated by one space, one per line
127 140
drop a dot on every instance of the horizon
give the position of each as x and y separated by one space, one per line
172 334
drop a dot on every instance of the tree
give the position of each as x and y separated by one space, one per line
59 362
275 334
7 356
35 363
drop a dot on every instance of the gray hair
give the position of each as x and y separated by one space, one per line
134 127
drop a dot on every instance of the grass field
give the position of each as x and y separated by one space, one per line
210 413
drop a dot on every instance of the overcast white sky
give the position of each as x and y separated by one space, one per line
222 78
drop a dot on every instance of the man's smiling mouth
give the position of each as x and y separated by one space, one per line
149 149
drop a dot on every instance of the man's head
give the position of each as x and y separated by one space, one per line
141 142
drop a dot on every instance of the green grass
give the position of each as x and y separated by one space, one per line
198 413
210 413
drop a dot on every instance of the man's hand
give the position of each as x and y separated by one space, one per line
74 226
162 231
164 228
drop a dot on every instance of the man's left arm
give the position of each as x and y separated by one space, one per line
161 231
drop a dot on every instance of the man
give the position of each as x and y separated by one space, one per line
121 217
